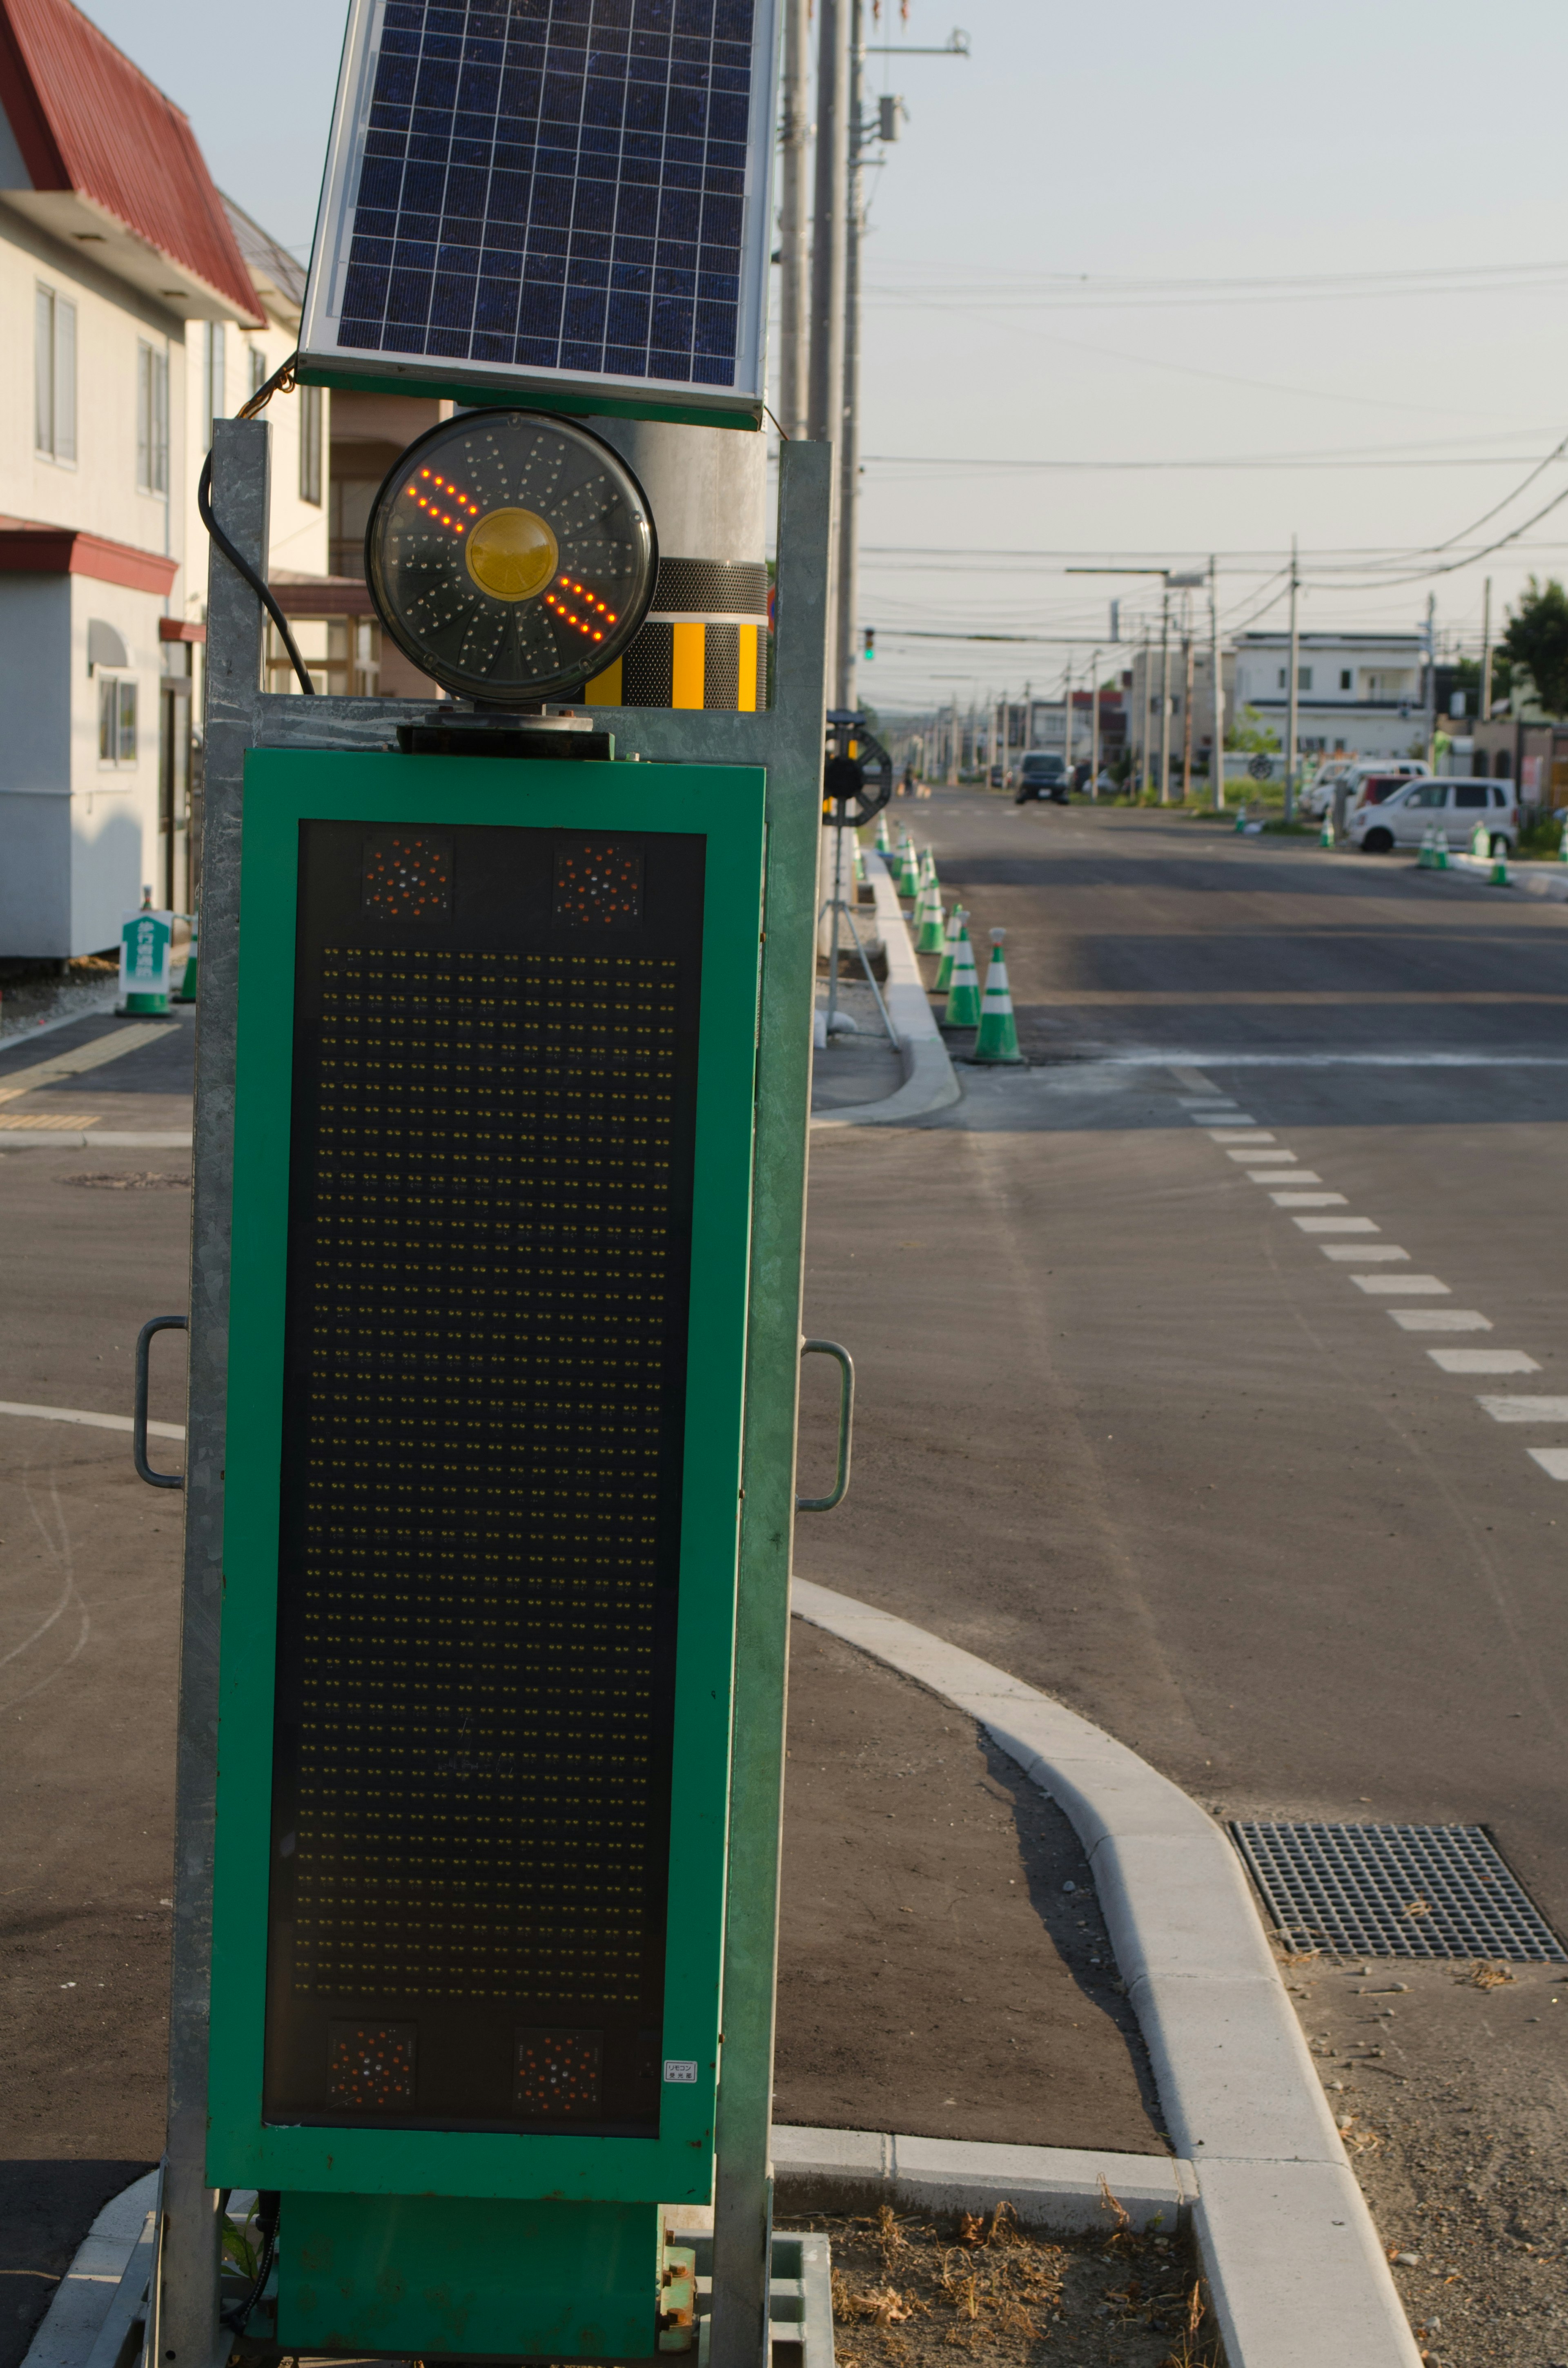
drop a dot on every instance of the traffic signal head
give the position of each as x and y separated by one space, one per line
870 650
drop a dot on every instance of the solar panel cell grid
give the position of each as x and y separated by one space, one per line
556 184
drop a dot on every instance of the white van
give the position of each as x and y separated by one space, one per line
1404 817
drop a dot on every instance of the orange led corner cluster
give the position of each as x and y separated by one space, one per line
590 600
445 490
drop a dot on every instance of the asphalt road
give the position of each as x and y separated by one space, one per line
1123 1428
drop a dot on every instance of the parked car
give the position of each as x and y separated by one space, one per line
1318 795
1369 784
1407 814
1042 774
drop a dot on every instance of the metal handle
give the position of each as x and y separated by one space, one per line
139 1416
845 1424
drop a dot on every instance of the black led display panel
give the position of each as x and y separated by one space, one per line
489 1252
558 186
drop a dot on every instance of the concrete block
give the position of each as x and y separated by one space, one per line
1296 2270
1053 2190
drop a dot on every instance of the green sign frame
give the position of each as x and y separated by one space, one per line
725 805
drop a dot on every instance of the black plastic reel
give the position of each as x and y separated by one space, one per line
854 789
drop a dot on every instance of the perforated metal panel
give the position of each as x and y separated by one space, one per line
489 1257
1395 1891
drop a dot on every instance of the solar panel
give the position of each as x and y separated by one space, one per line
565 193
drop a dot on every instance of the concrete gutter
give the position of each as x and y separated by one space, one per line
1055 2191
50 1138
929 1083
1294 2263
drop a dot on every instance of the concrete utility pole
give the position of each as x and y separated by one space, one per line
1217 763
1067 725
1486 653
1431 700
1187 643
1165 692
1292 689
824 393
794 240
848 584
1094 729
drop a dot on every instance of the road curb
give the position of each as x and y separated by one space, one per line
82 2304
930 1082
1055 2191
1293 2261
47 1138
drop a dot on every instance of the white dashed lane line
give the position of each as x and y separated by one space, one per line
1484 1361
1269 1163
1440 1320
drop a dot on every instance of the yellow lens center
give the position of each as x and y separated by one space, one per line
512 554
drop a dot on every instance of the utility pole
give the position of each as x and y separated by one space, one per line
850 430
1165 692
1217 764
1431 677
1486 653
1094 729
1187 643
1067 725
825 392
1292 694
794 137
1143 672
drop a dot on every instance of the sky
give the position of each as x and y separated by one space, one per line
1323 253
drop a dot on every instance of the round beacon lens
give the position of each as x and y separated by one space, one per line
511 555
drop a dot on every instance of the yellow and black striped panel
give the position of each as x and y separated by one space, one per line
704 644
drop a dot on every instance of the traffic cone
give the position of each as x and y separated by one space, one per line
956 920
1240 821
909 874
1325 835
933 930
188 983
1480 840
1562 842
883 843
963 991
1439 847
998 1037
1500 868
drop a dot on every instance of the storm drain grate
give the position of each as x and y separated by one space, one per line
1395 1891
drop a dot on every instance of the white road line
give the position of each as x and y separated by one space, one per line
1335 1225
1526 1409
1308 1200
1484 1361
1233 1134
1229 1118
1347 1250
1195 1081
1276 1175
1553 1461
1440 1320
1277 1156
97 1421
1417 1286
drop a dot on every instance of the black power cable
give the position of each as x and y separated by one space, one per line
237 2317
284 379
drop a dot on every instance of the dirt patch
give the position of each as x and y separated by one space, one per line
908 2292
952 1978
1450 2086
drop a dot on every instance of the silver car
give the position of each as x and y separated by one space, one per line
1404 818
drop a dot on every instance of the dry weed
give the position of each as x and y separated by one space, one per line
1483 1976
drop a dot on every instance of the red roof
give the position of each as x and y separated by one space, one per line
85 119
27 548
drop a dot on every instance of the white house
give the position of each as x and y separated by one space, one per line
1357 694
132 317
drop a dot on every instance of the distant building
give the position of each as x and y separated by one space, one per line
132 318
1357 694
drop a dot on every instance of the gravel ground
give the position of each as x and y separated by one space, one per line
908 2294
1450 2083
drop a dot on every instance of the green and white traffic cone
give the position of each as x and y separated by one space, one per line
998 1037
933 928
1439 847
1424 859
1325 835
1562 842
963 990
1499 866
956 920
909 874
1481 840
1240 821
188 983
882 842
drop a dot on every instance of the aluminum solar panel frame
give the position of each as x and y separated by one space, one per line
562 203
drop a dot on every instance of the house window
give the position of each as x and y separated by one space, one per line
214 400
1303 678
257 370
151 420
54 376
310 444
1345 681
117 719
1284 679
